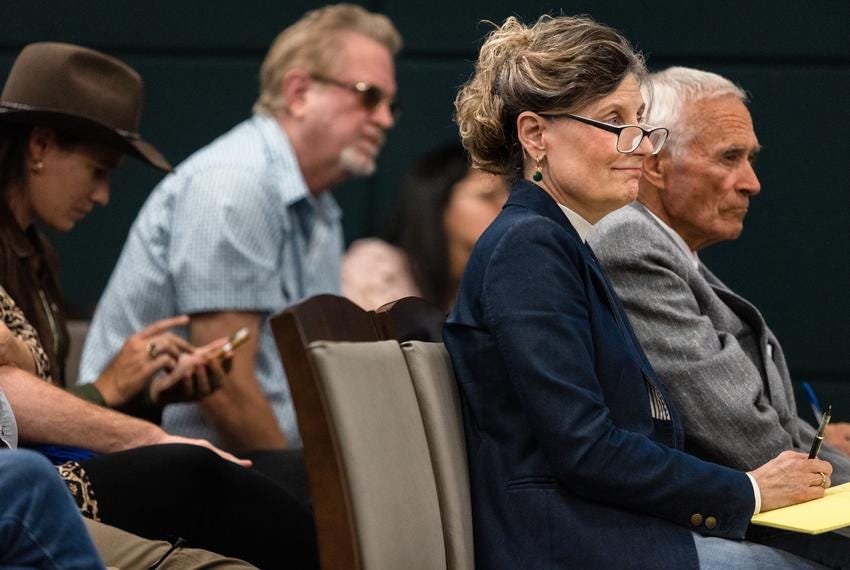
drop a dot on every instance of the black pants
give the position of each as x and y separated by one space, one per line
169 491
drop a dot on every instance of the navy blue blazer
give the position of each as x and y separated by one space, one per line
568 469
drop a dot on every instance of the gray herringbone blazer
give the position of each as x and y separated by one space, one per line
708 345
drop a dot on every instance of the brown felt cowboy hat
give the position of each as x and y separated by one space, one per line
79 91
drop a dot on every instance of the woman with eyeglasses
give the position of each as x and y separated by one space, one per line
574 448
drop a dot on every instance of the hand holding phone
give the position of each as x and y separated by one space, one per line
182 384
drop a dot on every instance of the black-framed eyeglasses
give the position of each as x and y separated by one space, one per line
370 95
629 137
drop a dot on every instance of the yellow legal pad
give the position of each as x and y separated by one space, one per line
830 512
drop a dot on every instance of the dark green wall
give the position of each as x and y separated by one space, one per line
200 61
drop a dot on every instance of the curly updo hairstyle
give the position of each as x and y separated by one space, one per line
558 64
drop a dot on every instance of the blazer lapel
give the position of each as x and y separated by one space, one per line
605 287
654 383
528 195
748 313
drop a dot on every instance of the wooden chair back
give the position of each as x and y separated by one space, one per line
416 424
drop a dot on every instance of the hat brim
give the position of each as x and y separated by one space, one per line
128 143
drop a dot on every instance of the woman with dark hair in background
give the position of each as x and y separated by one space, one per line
443 208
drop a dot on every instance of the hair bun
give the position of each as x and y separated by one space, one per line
558 64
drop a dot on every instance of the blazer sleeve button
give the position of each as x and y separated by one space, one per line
710 522
696 519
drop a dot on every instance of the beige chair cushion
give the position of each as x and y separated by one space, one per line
433 379
384 452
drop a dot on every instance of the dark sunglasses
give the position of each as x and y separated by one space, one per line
370 95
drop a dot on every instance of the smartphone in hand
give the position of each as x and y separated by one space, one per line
235 341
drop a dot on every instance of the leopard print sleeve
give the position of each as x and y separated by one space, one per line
15 320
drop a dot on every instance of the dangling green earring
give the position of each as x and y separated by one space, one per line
538 174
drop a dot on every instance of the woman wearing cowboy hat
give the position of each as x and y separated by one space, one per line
67 115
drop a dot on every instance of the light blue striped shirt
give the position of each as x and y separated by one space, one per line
234 228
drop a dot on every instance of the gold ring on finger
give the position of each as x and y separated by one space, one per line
823 480
153 351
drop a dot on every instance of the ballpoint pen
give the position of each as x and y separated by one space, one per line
821 431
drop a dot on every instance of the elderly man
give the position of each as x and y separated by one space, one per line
712 348
246 227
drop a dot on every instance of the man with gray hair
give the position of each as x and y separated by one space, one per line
246 227
722 364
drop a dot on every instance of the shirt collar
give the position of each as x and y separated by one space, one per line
281 158
293 187
692 255
581 226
